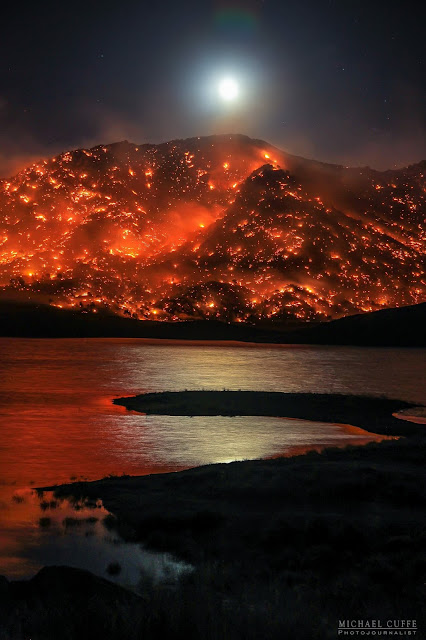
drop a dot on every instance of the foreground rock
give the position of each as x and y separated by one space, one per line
67 603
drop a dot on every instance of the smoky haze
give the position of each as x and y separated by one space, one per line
338 82
223 227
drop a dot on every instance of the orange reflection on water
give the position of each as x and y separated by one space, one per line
58 422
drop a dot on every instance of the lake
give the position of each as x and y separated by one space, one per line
58 423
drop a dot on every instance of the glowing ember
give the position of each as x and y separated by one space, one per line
203 228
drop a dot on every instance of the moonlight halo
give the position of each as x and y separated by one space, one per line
228 89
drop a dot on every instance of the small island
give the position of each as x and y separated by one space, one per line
371 414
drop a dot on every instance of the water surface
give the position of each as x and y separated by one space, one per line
57 420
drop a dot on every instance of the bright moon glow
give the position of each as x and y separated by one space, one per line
228 89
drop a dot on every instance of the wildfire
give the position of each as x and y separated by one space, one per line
118 227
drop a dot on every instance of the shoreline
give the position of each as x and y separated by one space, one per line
373 415
225 510
276 544
235 342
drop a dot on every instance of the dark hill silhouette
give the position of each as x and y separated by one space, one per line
403 327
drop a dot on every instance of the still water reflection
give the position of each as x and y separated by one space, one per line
42 530
57 420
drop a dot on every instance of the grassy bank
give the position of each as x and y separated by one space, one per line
285 547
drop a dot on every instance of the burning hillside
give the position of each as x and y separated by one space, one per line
219 227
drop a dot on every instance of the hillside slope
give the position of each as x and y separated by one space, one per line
221 227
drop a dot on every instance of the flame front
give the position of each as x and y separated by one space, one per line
203 228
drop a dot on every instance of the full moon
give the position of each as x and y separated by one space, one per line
228 89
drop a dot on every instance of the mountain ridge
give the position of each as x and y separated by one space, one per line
141 229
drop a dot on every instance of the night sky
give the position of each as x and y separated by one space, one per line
337 80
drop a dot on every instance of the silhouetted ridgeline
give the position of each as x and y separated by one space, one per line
43 321
403 326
